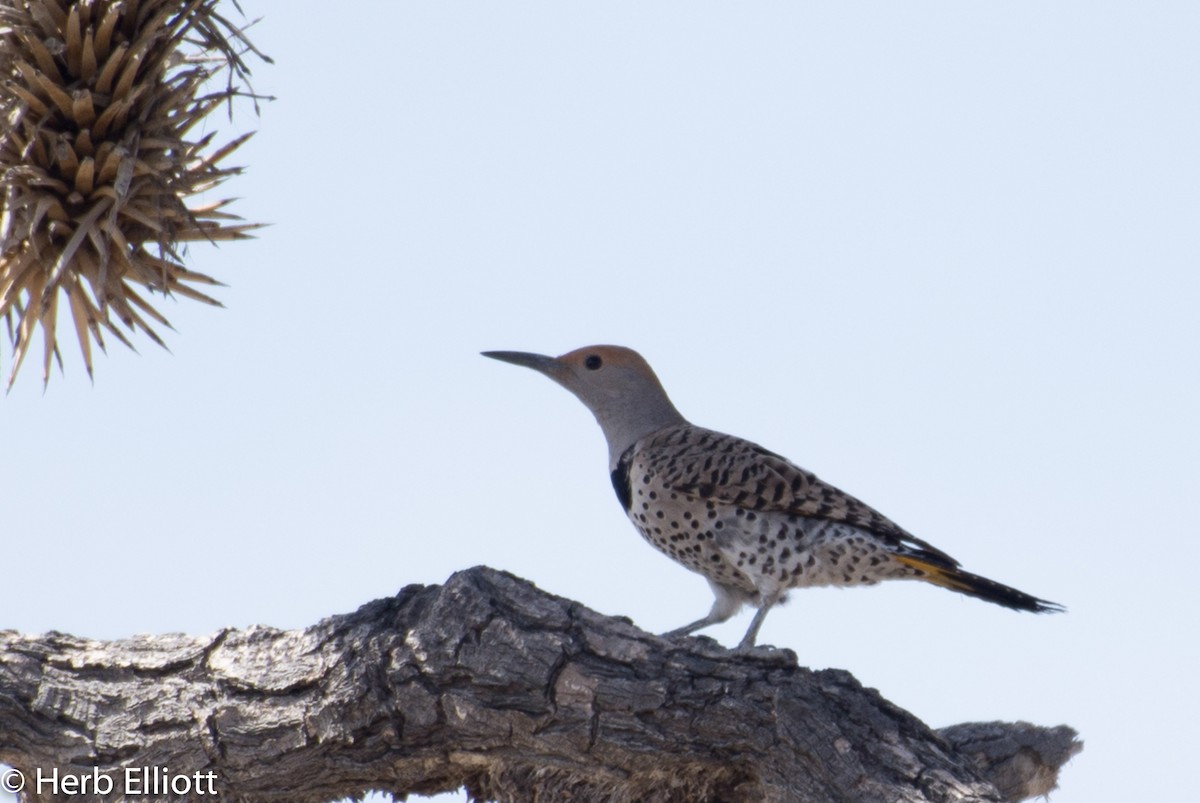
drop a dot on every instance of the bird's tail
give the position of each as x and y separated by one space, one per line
973 585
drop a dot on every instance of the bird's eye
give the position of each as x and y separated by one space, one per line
592 362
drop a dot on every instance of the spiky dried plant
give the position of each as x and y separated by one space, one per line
99 100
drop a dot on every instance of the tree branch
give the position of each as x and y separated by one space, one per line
489 683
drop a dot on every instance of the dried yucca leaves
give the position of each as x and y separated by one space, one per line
98 156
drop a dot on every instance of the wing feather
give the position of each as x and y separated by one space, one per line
734 471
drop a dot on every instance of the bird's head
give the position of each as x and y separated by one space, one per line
615 383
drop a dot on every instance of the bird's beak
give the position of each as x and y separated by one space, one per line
549 366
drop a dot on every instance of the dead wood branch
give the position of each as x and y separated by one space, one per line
489 683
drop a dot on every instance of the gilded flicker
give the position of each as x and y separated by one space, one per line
753 523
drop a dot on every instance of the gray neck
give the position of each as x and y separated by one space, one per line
626 421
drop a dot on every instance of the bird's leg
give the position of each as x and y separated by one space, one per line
759 616
693 627
726 604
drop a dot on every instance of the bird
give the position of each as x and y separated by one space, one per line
752 523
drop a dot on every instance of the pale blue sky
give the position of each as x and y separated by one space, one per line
944 254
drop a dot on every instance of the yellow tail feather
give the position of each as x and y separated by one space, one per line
973 585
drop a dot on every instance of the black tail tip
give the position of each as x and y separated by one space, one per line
1046 606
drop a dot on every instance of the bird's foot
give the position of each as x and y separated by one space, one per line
768 653
695 637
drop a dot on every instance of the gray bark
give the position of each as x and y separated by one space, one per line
489 683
